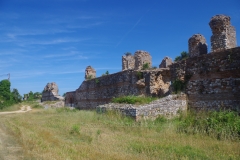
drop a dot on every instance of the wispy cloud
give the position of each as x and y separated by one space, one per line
35 73
20 32
90 25
26 41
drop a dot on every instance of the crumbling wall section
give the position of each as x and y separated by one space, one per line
50 92
128 62
70 99
212 80
168 106
101 90
224 34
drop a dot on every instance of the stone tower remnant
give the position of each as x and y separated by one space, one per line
90 73
197 45
137 61
128 62
50 92
166 62
224 34
141 58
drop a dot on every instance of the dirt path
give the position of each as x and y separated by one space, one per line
22 110
9 148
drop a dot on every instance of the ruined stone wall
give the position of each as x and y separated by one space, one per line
70 99
168 106
224 34
90 72
50 92
213 80
166 62
197 45
101 90
141 58
128 62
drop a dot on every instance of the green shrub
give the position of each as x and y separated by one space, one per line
97 81
133 100
184 55
145 66
139 75
178 86
89 77
75 129
128 53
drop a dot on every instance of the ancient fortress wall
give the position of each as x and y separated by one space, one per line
94 92
101 90
213 80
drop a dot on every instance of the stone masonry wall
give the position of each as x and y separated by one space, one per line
101 90
224 34
128 62
213 80
70 99
168 106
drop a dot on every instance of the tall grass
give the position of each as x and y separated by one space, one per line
220 125
72 134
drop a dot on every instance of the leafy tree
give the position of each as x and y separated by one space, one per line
16 96
128 53
184 55
37 95
30 96
5 89
107 73
64 94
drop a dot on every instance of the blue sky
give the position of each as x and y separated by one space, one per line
55 40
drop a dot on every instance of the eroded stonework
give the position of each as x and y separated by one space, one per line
50 92
70 99
141 58
128 62
90 73
224 34
137 61
166 62
197 45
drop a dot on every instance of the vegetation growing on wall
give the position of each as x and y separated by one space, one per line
184 55
145 66
178 86
139 75
89 77
128 53
133 100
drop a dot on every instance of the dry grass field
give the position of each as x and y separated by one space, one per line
63 134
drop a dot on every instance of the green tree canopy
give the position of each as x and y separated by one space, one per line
184 55
5 92
16 96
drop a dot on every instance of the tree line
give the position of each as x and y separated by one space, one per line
8 97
